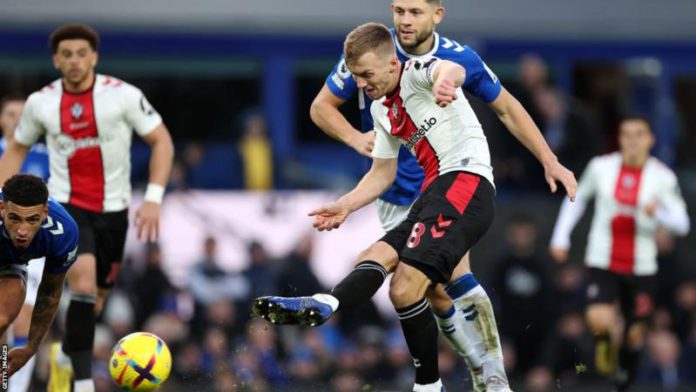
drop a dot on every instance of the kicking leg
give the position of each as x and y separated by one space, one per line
358 287
407 293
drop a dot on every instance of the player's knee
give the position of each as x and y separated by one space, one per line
400 293
382 254
5 321
84 285
599 320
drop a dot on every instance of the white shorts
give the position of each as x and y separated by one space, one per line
35 269
391 215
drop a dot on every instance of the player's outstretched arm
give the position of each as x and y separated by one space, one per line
521 125
47 300
147 216
12 159
447 78
373 184
325 114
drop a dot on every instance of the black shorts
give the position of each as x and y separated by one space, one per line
104 236
446 220
634 293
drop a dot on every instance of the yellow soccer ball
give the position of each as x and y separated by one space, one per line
140 362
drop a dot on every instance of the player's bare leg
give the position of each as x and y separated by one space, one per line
20 330
601 319
102 295
473 305
79 330
407 293
13 290
629 354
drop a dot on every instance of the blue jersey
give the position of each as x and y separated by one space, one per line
36 162
480 81
56 241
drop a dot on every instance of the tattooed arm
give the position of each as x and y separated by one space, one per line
47 300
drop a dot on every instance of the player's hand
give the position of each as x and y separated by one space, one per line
17 357
445 92
557 172
559 255
147 221
330 216
650 209
363 143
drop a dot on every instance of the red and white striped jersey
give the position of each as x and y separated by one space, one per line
442 139
88 137
622 235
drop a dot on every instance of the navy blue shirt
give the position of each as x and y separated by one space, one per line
56 240
480 81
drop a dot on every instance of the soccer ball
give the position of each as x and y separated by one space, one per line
140 362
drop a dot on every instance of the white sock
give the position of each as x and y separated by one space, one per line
434 387
327 299
86 385
452 326
20 380
480 327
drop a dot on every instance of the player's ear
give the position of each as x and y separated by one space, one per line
44 212
395 64
439 14
55 61
96 59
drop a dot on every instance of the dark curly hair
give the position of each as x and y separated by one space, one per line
74 31
25 190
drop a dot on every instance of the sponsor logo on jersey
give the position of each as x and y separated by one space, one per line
422 130
66 146
146 107
77 109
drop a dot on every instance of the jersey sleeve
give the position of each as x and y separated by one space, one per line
139 113
386 145
480 80
340 81
419 73
671 212
64 240
29 129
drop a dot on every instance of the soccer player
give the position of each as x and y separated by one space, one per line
88 119
415 37
33 226
36 163
634 194
420 105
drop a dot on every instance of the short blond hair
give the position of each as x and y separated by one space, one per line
368 37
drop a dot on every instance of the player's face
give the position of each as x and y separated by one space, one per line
22 223
635 139
415 22
75 59
376 74
9 117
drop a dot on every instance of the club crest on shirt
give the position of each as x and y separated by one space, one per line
76 110
628 181
395 110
